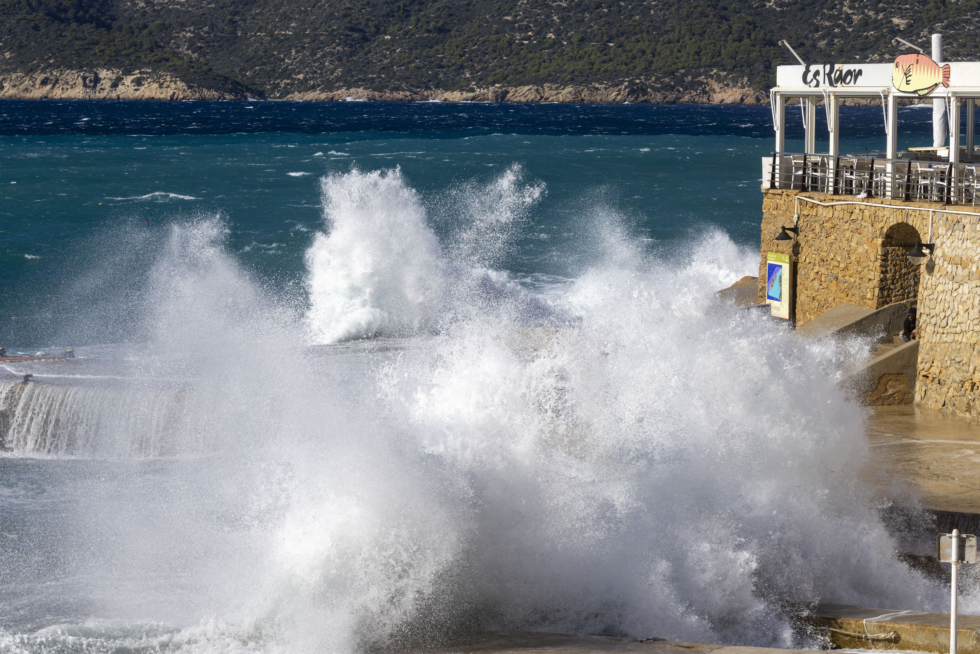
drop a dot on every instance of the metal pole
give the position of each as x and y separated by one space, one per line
781 122
939 103
833 114
811 124
954 146
832 105
952 607
893 187
971 105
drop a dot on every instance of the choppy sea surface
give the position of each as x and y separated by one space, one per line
352 374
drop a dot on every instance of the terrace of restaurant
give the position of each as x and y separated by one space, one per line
945 172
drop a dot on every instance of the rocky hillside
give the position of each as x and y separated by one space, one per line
518 50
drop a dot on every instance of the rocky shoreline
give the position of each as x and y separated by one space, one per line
700 91
105 84
102 84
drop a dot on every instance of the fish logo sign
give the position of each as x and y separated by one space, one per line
917 73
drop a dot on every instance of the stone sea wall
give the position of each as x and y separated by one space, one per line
857 253
844 253
949 322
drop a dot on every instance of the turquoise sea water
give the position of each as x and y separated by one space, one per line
353 375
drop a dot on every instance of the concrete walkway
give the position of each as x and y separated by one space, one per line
848 627
924 455
859 627
534 643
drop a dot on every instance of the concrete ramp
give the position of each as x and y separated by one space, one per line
884 323
888 378
743 293
840 317
852 320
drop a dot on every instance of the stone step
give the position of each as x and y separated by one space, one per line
852 627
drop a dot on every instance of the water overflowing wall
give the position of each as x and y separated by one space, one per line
88 420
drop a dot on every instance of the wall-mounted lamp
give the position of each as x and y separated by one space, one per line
783 236
921 252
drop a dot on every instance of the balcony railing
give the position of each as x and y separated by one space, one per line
864 176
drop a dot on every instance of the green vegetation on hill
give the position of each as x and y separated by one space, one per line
278 47
36 35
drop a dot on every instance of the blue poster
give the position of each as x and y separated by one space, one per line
774 282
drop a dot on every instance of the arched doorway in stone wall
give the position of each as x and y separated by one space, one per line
898 279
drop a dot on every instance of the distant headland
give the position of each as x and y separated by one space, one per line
144 85
581 51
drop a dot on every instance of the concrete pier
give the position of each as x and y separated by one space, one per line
539 643
847 627
853 627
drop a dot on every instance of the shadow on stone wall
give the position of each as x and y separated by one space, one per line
898 279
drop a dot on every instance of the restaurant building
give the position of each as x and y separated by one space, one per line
838 228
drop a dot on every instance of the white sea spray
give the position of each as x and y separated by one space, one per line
630 456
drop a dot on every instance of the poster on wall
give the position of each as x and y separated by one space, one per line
779 284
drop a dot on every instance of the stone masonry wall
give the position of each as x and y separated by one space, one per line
838 252
949 320
856 253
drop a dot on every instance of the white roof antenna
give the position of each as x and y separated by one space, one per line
915 47
788 47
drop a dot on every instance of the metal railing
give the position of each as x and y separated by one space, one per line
900 179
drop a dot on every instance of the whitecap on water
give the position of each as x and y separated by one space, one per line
157 196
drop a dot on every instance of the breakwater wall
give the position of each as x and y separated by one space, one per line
856 253
44 419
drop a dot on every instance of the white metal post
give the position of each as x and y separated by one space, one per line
954 129
952 605
971 106
939 103
780 122
811 124
892 153
833 113
954 147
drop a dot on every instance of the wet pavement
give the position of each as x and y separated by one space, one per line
920 455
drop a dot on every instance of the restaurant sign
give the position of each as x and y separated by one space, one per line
916 73
912 74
